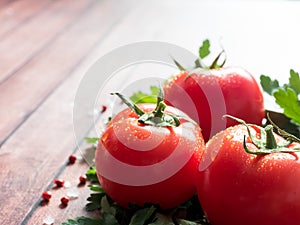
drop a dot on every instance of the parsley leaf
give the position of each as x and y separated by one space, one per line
106 219
294 81
288 100
142 216
161 219
204 49
92 140
94 202
106 206
141 97
109 219
268 84
91 174
84 221
286 96
96 187
186 222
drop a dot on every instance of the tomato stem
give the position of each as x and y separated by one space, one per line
270 139
134 107
199 61
289 137
160 110
215 64
267 143
158 117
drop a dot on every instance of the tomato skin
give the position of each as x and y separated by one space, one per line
207 95
236 188
140 164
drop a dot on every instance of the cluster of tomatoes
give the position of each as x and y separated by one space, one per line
243 174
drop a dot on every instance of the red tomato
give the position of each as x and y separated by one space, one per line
207 95
139 163
238 188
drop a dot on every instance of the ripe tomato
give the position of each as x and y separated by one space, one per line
236 187
207 95
142 163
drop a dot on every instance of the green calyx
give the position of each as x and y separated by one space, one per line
203 52
158 117
267 143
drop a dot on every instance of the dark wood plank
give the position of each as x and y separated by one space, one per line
5 3
19 12
76 206
38 150
37 78
23 43
29 167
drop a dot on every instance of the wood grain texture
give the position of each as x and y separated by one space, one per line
54 208
26 77
24 42
37 151
19 12
37 79
6 3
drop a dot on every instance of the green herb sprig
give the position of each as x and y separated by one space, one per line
113 214
286 95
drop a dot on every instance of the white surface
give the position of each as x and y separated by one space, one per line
261 36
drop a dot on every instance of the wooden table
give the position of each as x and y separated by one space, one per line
47 46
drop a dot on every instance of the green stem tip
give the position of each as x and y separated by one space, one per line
158 117
270 138
267 143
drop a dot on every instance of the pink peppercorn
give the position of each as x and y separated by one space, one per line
104 107
46 195
82 179
64 201
72 159
59 182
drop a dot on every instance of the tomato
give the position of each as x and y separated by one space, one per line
140 161
208 94
261 187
